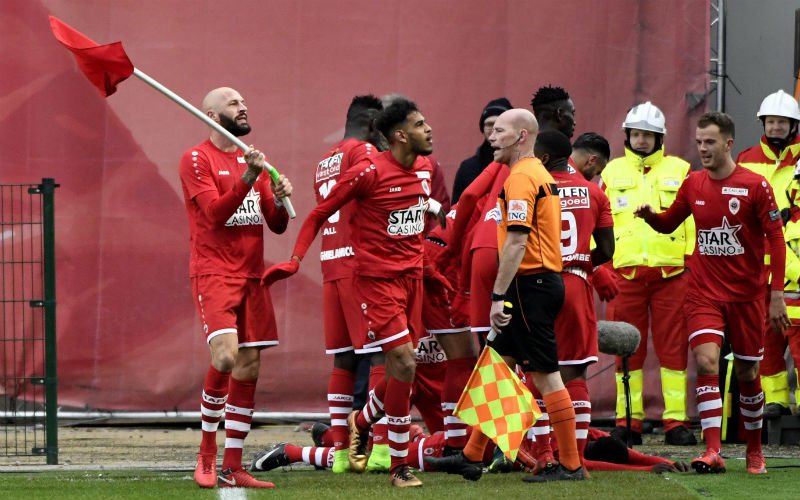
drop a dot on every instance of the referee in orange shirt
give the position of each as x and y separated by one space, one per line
529 276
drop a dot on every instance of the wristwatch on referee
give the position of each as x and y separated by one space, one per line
498 297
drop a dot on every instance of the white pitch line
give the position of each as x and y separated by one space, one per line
232 494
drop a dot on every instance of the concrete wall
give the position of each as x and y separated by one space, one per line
760 60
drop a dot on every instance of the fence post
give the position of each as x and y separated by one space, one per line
47 188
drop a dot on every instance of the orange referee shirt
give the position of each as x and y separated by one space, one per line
529 201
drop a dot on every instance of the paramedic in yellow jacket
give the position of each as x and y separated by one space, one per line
651 265
775 157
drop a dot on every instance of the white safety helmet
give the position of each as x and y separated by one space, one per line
779 104
646 116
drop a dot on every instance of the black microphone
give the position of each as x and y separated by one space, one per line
513 143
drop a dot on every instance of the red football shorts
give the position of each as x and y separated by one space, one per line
441 319
235 305
710 320
342 318
391 310
576 323
484 272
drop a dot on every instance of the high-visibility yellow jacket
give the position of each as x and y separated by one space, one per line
630 181
778 168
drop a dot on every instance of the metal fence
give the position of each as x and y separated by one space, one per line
28 380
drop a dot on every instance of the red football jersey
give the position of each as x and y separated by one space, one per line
336 249
584 207
732 217
486 229
388 217
233 245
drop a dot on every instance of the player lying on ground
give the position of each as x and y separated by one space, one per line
603 453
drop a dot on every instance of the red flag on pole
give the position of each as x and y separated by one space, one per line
104 65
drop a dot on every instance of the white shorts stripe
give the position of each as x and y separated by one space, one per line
706 330
339 350
480 329
368 351
568 362
263 343
448 330
748 358
386 340
421 454
221 331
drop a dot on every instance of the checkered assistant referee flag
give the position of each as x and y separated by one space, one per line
498 403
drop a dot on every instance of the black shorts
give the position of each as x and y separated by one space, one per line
530 337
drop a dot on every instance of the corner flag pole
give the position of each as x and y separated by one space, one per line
180 101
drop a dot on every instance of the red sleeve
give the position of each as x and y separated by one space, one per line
196 177
637 458
770 217
604 218
469 200
277 218
352 185
220 208
667 222
438 186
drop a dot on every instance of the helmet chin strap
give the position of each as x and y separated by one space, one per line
781 143
658 144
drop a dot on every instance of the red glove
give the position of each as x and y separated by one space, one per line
279 272
437 288
604 281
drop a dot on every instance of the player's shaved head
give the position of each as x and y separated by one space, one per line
520 119
216 99
226 106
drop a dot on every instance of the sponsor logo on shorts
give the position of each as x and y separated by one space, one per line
720 241
517 210
223 172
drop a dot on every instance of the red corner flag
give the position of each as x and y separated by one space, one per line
104 65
